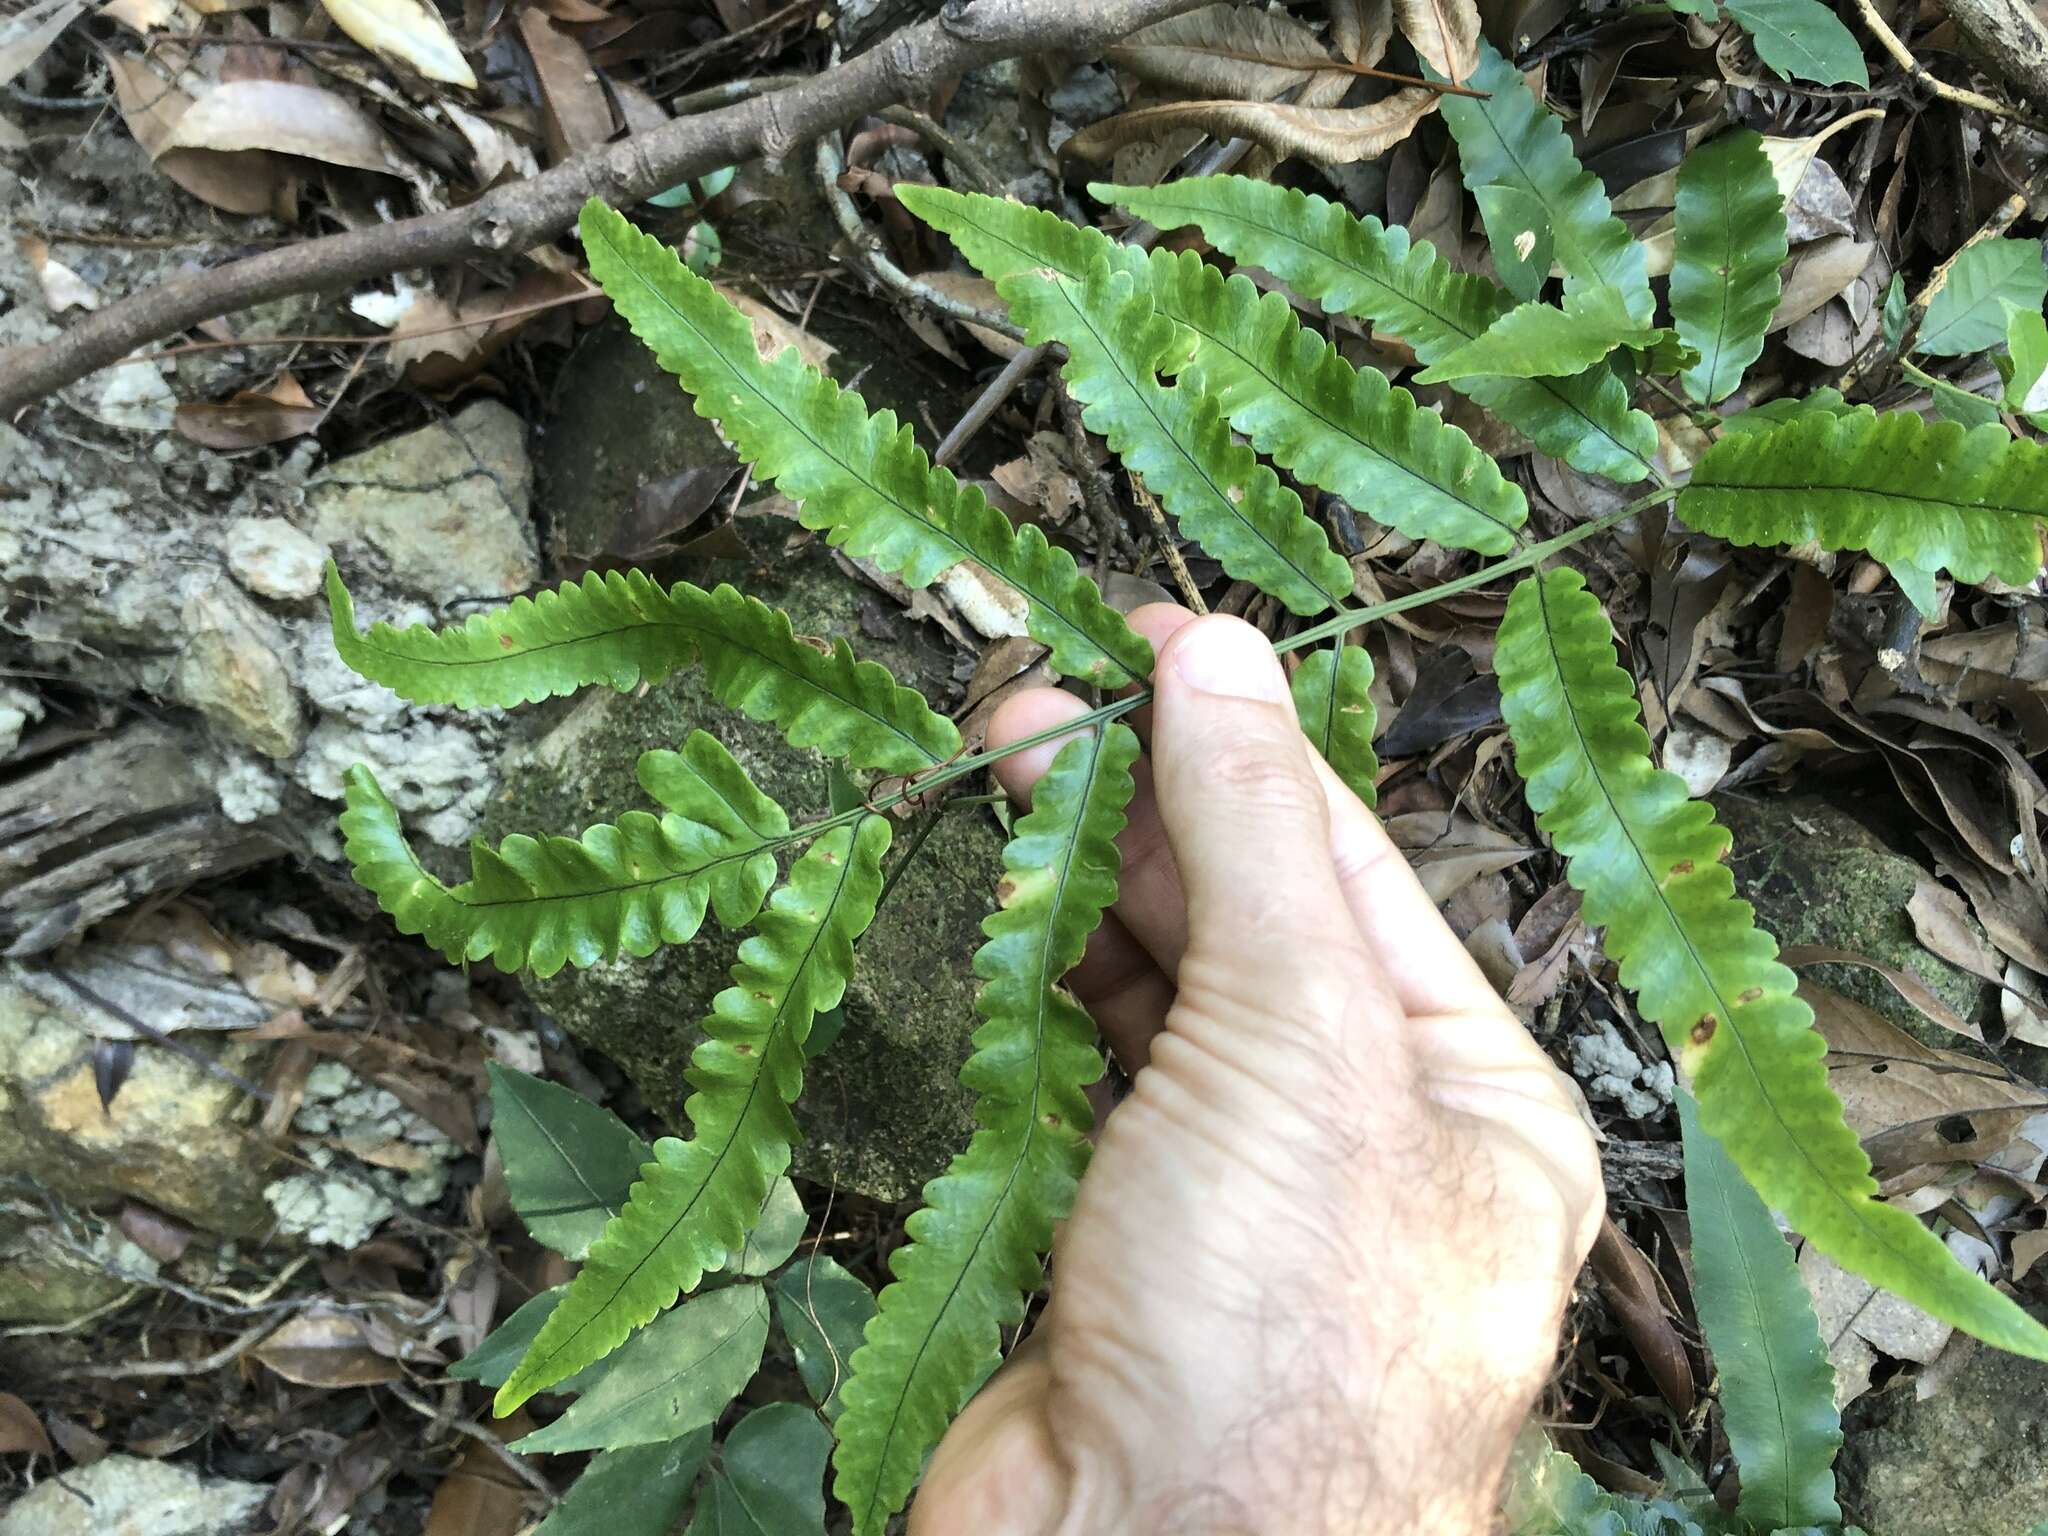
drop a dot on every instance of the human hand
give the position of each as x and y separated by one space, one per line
1315 1273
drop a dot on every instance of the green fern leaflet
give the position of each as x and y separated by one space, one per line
1648 861
975 1248
697 1200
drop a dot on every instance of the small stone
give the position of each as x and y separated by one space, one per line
273 559
232 670
175 1137
130 1496
1963 1462
447 505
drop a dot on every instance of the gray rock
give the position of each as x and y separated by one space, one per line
882 1110
42 1280
273 559
446 505
128 1496
1816 875
1970 1461
175 1136
232 669
618 423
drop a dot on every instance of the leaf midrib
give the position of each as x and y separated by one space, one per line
1336 257
1038 601
1798 1145
753 1089
1031 1125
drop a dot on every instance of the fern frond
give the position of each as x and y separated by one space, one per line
975 1247
1333 701
1922 495
1357 266
624 887
1648 861
624 629
860 478
1342 428
1777 1387
1216 488
1535 341
696 1202
1508 139
1728 247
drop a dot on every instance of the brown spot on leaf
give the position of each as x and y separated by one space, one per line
1703 1031
1682 867
506 642
1006 891
1751 995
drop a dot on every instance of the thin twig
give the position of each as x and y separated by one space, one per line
155 1036
831 165
753 29
1169 549
482 322
524 214
1956 95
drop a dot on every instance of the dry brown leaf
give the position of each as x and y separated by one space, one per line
578 115
1908 1103
1444 32
20 1430
1905 983
1326 135
773 332
326 1349
1361 29
498 151
1941 921
246 181
1630 1285
141 16
410 31
1222 50
288 119
972 288
439 344
478 1497
250 419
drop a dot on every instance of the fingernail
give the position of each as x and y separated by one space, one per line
1231 659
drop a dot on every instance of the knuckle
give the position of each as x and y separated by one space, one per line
1262 774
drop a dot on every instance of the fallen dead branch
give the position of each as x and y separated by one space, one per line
964 35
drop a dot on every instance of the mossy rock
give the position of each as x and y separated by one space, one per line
1818 876
1972 1460
882 1110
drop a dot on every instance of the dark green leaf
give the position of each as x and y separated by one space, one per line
1728 246
637 1491
674 1376
569 1163
1969 313
1508 139
1518 234
823 1311
774 1237
492 1361
1802 40
771 1477
1777 1388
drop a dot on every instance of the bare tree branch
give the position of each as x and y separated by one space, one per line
2013 41
965 35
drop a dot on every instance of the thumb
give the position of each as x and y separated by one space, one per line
1242 807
